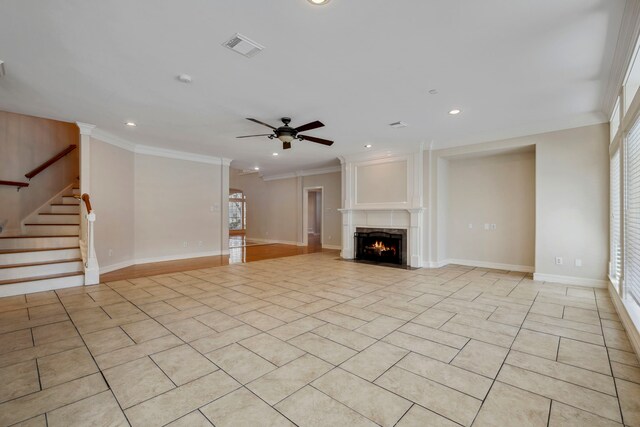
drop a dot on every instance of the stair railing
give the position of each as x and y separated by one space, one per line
51 161
87 247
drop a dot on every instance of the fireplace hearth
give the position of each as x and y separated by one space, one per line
382 246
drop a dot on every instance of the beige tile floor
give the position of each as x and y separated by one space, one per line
314 341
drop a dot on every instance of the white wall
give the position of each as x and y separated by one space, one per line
176 201
25 143
112 199
496 189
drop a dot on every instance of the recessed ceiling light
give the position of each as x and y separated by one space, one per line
274 154
368 146
455 111
319 2
131 124
184 78
256 168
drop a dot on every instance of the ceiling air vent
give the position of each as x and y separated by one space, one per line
243 45
397 125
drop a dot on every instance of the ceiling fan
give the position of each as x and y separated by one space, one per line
286 133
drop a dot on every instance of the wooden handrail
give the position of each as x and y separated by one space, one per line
15 184
87 202
51 161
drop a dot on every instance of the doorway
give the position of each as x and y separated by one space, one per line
313 218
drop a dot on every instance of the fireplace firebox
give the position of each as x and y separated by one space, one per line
385 247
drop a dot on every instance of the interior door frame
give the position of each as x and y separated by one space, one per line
305 213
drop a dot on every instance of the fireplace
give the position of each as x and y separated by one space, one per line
383 246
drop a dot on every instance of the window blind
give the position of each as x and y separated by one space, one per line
632 213
615 252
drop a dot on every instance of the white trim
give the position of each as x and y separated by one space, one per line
116 266
436 264
630 320
578 121
282 242
176 257
494 265
305 213
336 247
45 205
180 155
111 139
624 51
306 172
85 128
569 280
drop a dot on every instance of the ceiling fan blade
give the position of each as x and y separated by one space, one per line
314 139
251 136
309 126
261 123
286 145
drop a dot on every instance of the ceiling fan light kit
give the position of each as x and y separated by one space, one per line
288 134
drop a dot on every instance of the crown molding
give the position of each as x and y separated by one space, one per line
307 172
623 54
85 128
577 121
116 141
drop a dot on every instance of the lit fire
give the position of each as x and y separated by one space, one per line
380 247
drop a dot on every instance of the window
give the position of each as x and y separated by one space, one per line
632 214
237 211
615 253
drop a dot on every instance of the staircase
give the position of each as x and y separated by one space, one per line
47 255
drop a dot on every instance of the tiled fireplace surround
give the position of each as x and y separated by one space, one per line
400 209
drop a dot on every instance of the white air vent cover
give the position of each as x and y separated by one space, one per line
398 125
243 45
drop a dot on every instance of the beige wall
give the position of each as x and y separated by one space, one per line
497 189
382 183
331 184
176 201
572 204
272 206
112 199
25 143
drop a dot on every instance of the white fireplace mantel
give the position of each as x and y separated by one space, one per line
384 193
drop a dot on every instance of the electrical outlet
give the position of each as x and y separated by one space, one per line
329 237
558 260
110 252
470 226
199 242
185 244
493 226
578 262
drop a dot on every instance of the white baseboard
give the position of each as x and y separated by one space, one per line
627 317
481 264
138 261
282 242
116 266
569 280
336 247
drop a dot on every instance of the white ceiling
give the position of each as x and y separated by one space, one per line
356 65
